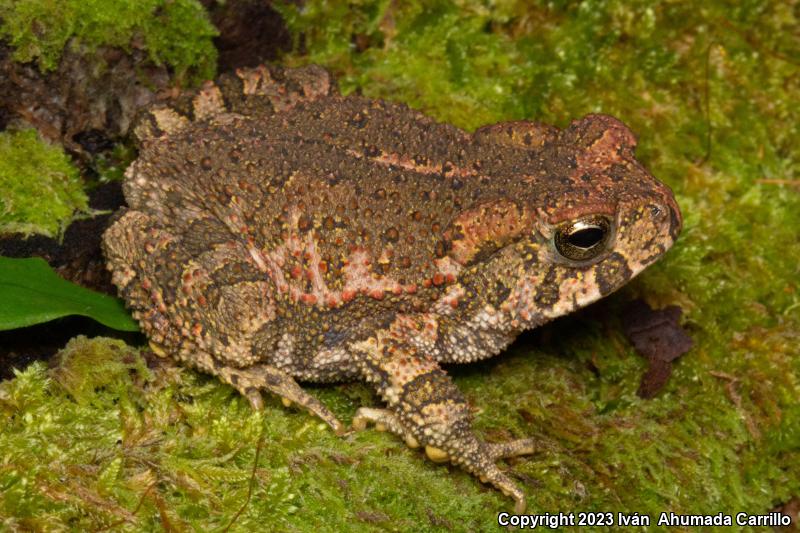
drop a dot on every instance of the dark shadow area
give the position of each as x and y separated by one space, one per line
21 347
250 33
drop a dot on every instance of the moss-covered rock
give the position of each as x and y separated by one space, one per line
173 32
41 189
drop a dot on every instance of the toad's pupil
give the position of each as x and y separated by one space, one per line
583 239
586 237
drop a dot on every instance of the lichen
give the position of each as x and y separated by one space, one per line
172 32
42 190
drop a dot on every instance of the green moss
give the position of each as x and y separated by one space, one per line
100 440
32 170
176 448
173 32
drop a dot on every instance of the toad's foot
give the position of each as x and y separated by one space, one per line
250 380
475 456
426 409
383 420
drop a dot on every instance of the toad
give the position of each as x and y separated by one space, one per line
279 232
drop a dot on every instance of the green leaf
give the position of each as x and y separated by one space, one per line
31 293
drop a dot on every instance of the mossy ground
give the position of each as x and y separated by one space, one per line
711 90
30 170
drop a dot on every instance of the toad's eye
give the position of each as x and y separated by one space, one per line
583 238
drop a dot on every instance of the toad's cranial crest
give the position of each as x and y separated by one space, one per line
278 231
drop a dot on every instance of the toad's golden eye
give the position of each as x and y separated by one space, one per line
583 238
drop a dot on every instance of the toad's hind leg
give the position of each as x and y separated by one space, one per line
249 381
427 409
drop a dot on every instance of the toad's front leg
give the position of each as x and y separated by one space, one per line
426 408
